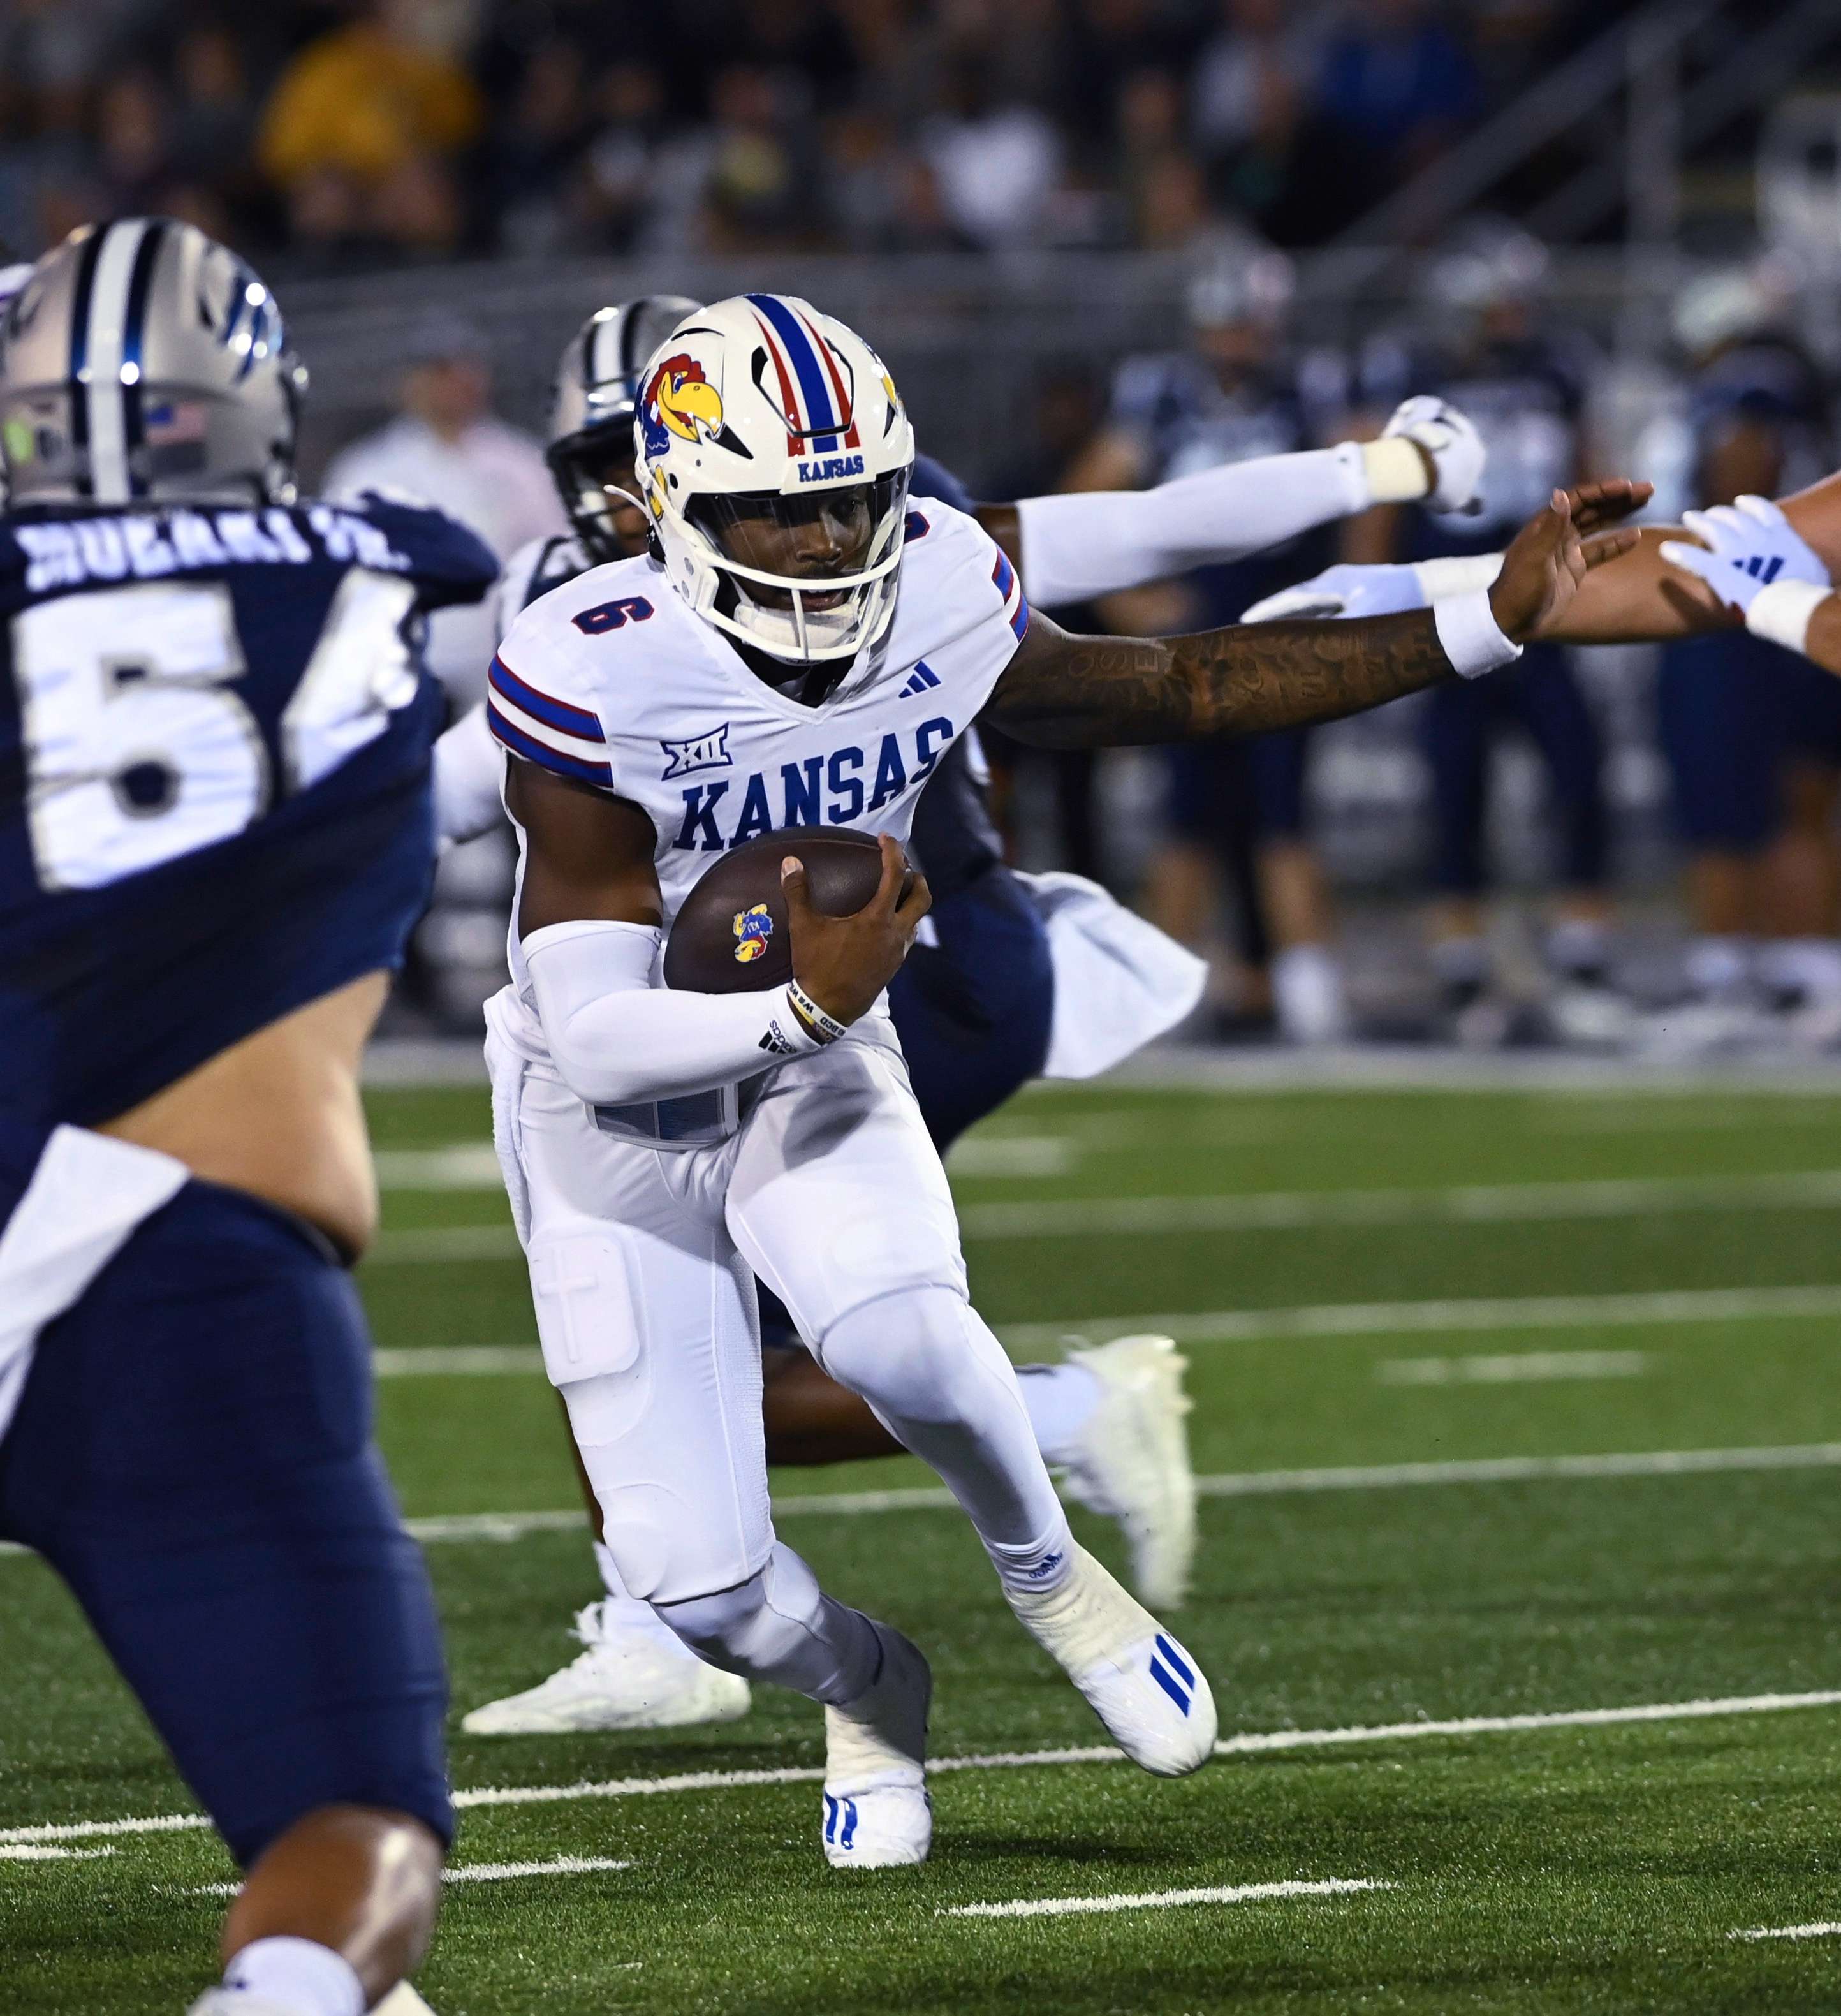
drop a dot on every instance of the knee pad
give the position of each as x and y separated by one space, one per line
919 1355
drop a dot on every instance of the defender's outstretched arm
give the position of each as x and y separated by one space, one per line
1066 692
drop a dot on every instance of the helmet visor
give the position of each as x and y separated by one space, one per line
807 574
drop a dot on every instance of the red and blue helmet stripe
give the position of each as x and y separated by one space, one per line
813 395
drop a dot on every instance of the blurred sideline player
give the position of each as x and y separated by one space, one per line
218 726
805 646
977 1006
1753 737
1231 398
1757 565
1523 385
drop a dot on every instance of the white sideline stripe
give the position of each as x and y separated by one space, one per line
1828 1929
1283 1210
1151 1900
1511 1368
1637 1310
472 1872
1251 1743
506 1527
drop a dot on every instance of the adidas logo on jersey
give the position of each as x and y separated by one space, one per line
920 680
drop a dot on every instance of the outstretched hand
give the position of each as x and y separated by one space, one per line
1558 547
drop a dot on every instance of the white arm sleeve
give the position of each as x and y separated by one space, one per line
617 1038
1092 542
470 774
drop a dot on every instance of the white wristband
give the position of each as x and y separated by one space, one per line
1782 613
1396 471
1459 574
1468 630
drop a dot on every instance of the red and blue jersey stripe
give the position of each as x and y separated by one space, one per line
544 730
1015 605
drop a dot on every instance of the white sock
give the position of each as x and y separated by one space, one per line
1307 994
1060 1400
622 1612
297 1975
1718 966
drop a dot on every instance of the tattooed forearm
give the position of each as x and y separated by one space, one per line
1064 692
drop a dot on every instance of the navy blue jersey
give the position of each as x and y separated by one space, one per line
1525 397
954 838
1185 423
1769 382
215 807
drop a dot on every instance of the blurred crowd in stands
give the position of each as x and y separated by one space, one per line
326 134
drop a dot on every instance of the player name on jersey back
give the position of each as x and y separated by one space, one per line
215 731
614 681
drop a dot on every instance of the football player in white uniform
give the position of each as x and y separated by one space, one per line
1110 1420
661 1144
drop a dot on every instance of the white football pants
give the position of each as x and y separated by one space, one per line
641 1264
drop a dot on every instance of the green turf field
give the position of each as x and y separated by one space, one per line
1447 1294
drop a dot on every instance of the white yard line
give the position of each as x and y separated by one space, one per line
1640 1310
1512 1368
1280 1211
34 1852
470 1872
1251 1743
1153 1900
1666 1306
468 1527
1827 1929
1464 1204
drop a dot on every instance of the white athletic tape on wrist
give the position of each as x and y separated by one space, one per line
1396 468
1460 573
823 1028
1473 640
1782 613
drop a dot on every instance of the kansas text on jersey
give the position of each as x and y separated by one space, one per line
215 730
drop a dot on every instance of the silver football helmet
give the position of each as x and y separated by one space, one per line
143 361
592 409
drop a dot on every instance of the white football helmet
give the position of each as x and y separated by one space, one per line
760 407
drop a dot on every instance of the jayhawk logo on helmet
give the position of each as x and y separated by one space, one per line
752 929
680 401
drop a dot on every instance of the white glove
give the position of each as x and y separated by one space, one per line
1343 590
1745 547
1455 446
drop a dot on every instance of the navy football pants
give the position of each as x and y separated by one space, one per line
193 1454
1462 718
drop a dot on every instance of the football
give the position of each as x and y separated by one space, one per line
731 937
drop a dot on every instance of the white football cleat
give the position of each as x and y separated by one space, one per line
877 1814
624 1678
1139 1680
1133 1460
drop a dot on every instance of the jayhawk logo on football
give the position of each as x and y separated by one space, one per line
680 401
752 930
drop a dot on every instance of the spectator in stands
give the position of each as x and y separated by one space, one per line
995 159
363 130
1400 83
446 444
531 151
614 190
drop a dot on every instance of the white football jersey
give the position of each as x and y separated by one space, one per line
612 680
